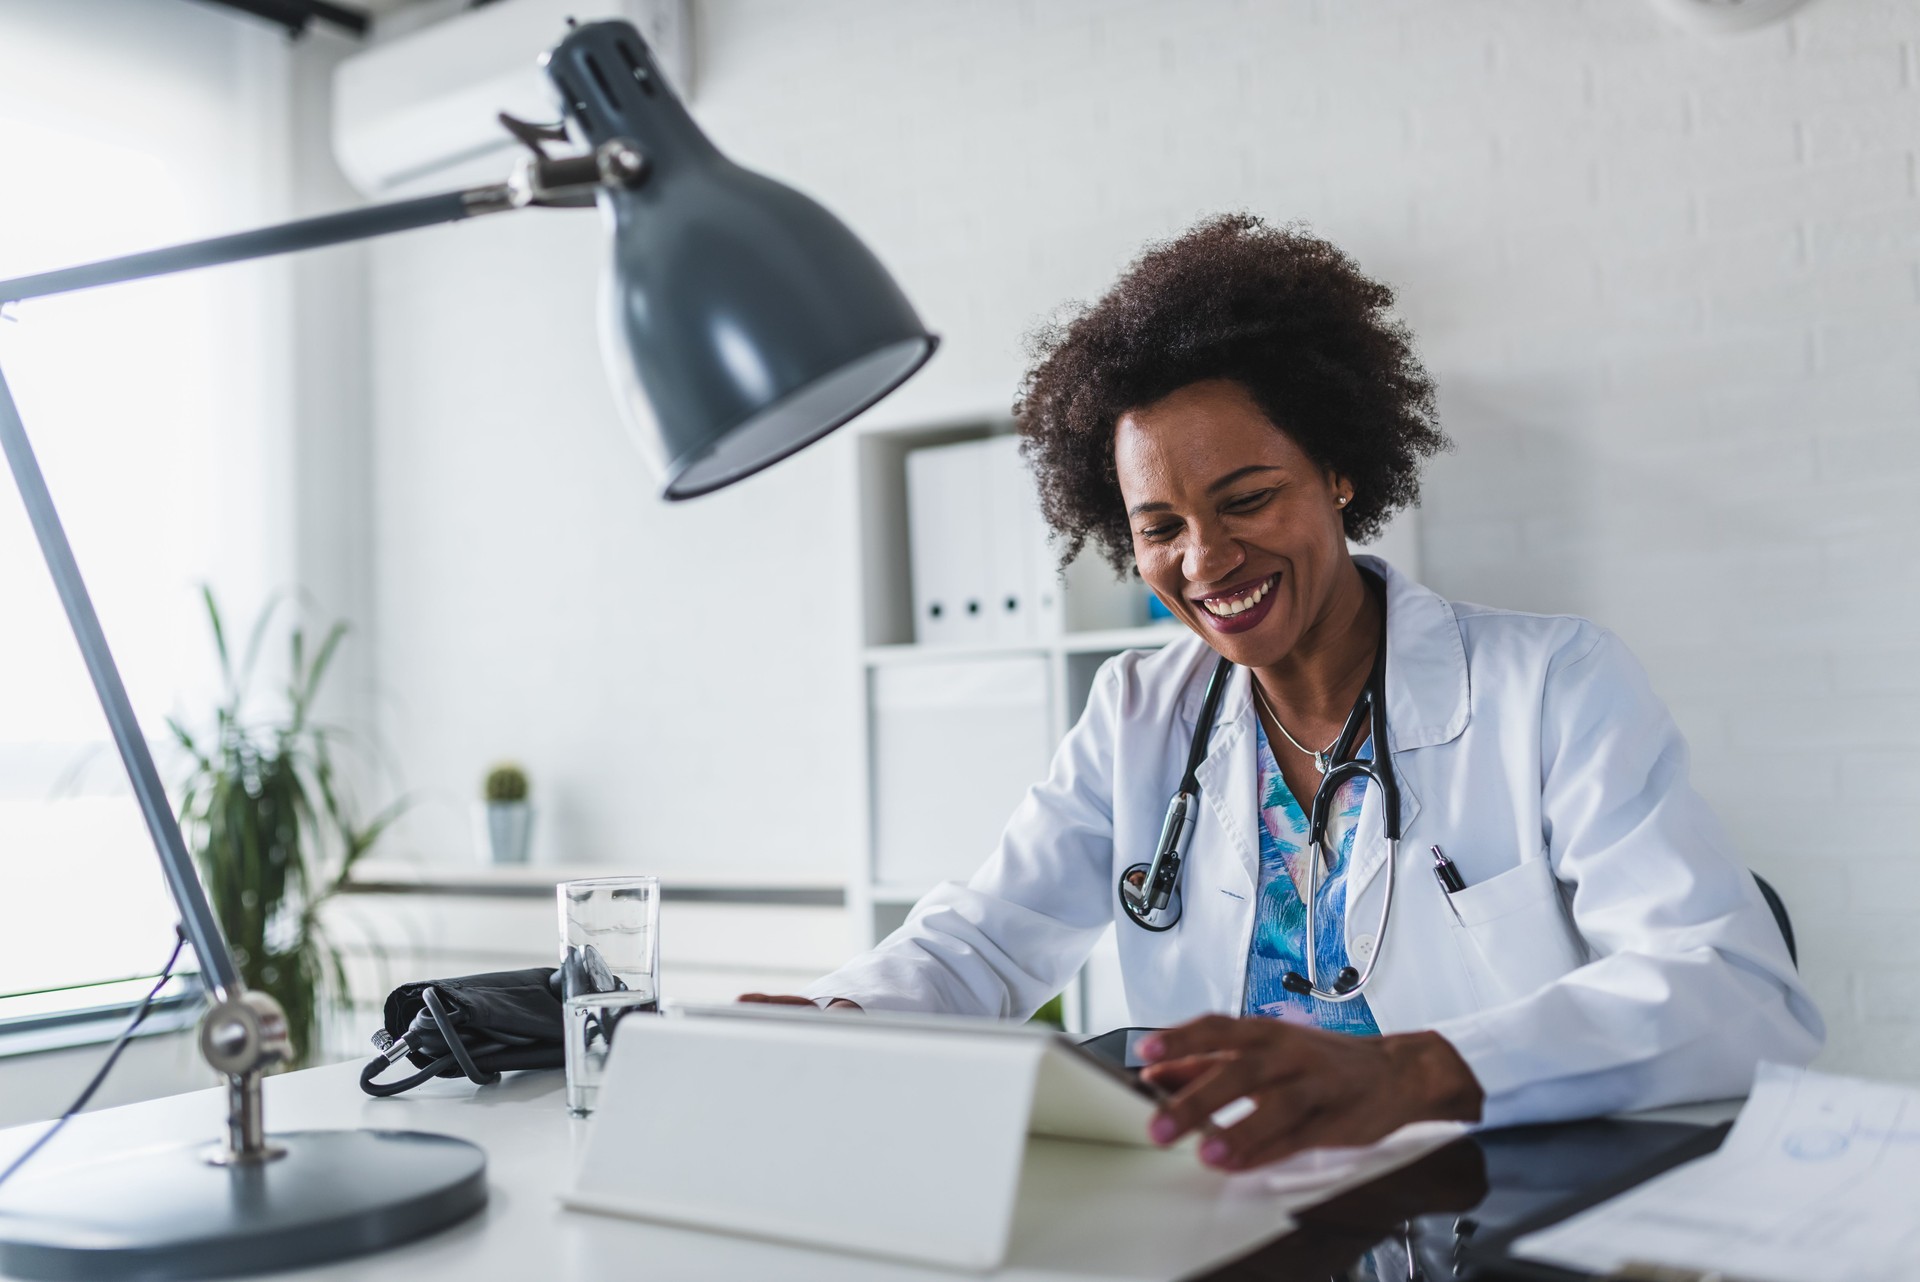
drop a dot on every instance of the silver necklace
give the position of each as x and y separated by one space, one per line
1323 759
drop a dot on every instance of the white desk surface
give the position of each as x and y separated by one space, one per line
1085 1209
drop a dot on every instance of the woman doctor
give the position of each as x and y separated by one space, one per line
1236 409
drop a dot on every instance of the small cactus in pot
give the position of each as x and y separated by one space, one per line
506 783
507 816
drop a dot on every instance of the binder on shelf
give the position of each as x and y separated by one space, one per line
1026 598
981 560
947 549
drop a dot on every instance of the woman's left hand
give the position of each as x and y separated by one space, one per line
1309 1088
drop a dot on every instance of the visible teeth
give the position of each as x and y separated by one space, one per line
1231 606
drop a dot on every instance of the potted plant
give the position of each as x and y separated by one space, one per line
271 826
507 816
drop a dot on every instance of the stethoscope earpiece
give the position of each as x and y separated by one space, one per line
1345 982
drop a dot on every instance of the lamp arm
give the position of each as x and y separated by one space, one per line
263 242
196 916
203 932
243 1033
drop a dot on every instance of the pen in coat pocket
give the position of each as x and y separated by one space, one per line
1446 874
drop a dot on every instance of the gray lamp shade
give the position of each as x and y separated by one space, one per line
741 321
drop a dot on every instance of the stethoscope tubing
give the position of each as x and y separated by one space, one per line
1337 994
458 1052
1382 777
1157 907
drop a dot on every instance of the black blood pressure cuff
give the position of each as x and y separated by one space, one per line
476 1026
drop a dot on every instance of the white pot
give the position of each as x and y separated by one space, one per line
503 830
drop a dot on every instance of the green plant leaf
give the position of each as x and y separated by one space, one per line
254 640
366 838
185 740
321 658
219 634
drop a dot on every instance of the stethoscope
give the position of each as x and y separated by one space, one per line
1150 893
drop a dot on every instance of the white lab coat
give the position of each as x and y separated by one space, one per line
1609 951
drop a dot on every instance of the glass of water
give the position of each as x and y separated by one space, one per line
609 969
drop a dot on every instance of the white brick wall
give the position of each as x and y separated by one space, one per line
1670 286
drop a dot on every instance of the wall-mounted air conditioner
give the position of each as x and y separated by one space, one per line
418 112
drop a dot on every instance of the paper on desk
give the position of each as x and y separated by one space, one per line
1328 1172
1819 1181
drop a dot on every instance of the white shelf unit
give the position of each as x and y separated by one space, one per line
1101 617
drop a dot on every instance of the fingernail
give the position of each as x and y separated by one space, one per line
1214 1152
1149 1048
1163 1130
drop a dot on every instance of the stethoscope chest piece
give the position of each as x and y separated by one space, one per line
1137 904
1150 893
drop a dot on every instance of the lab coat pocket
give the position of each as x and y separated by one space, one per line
1513 931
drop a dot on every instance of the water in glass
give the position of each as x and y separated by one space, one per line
609 970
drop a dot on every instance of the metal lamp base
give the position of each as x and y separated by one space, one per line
177 1213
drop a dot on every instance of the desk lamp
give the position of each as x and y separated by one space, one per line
741 323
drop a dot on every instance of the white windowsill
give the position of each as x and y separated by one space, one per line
94 1014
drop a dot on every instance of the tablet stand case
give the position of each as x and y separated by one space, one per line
854 1133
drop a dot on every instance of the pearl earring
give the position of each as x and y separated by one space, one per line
1341 501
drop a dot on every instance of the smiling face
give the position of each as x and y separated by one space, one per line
1234 527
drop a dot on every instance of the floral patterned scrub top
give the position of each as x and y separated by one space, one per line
1280 918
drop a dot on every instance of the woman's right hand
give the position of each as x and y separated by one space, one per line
771 999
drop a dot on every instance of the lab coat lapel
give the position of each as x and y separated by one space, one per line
1427 703
1230 785
1370 835
1228 842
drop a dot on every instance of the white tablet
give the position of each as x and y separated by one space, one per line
1078 1094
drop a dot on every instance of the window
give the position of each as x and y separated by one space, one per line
157 413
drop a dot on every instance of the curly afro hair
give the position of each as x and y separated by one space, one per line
1281 312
